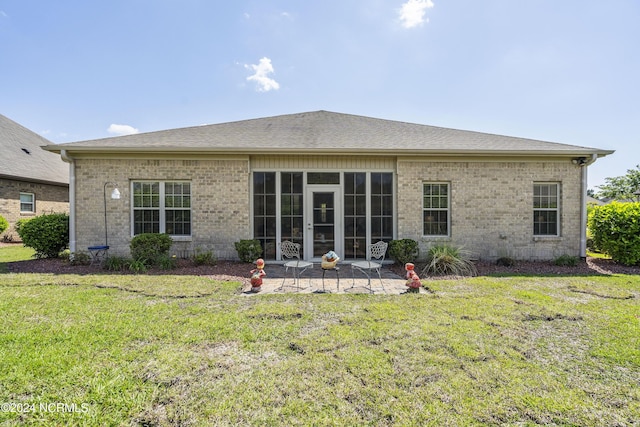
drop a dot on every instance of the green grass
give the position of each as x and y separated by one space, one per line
14 253
187 350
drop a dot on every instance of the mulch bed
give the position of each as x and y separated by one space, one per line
235 270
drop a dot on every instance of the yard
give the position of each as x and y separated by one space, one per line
100 349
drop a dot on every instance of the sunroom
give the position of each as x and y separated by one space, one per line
323 210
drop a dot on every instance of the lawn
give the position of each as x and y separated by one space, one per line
186 350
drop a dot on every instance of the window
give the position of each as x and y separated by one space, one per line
162 207
27 202
435 205
264 212
292 215
355 215
546 197
381 207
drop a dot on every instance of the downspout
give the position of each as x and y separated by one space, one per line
72 200
583 207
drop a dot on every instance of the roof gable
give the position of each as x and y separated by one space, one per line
325 132
23 157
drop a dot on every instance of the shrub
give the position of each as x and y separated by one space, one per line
204 258
19 223
615 229
48 235
566 260
150 247
116 263
166 262
404 250
138 266
506 261
79 258
248 250
448 260
4 224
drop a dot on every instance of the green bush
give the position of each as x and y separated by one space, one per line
138 266
566 260
4 224
204 258
448 260
248 250
80 258
116 263
404 250
150 248
506 261
19 223
615 229
166 262
48 235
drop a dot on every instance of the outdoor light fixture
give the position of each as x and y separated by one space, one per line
115 195
580 161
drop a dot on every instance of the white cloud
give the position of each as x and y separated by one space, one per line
261 76
122 130
3 14
412 12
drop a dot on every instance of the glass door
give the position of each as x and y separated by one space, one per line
324 221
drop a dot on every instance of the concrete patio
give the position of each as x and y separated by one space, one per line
343 282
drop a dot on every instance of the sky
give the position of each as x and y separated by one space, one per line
562 71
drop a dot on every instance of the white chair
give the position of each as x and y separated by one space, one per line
375 251
291 251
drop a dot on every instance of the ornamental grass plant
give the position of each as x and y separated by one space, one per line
446 260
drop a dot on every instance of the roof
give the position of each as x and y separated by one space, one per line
324 132
24 159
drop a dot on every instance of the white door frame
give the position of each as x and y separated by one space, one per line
336 189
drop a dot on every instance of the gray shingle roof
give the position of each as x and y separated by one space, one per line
324 132
23 157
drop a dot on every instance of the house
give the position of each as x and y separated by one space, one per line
32 181
330 181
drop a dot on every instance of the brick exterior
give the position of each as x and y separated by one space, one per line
220 202
492 206
491 201
48 199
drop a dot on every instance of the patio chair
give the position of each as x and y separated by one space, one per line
375 251
291 251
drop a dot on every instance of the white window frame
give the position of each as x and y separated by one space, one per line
556 209
162 208
32 203
447 209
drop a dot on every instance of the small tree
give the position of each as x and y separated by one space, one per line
615 229
48 235
621 187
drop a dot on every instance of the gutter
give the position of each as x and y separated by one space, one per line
72 200
583 207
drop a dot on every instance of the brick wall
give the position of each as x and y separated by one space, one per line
492 206
48 199
220 201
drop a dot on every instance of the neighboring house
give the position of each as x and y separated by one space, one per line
32 181
331 182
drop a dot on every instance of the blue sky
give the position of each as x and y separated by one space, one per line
563 71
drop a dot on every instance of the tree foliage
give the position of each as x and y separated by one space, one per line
615 229
621 187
